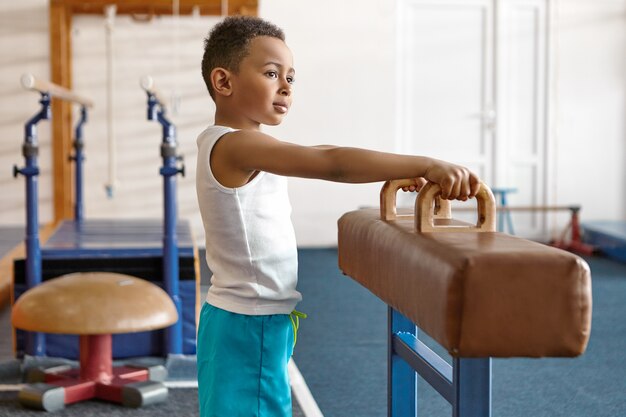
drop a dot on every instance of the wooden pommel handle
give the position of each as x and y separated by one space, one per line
388 200
425 221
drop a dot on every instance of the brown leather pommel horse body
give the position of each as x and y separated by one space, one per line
477 292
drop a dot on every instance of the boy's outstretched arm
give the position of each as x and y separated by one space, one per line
238 155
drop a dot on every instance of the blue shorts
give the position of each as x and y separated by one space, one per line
242 364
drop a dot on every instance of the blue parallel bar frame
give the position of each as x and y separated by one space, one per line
35 342
466 384
169 170
79 158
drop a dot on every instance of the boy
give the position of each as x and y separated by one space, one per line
245 335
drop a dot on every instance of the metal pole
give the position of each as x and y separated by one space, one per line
472 387
401 378
169 170
78 158
35 342
109 26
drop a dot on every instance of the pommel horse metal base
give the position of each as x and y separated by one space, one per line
466 385
478 293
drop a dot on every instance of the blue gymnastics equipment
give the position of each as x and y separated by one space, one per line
169 171
78 159
608 236
35 342
503 216
145 248
466 384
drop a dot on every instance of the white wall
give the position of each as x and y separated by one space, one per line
171 53
590 86
345 63
344 95
24 45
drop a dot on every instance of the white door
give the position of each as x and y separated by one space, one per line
471 90
521 140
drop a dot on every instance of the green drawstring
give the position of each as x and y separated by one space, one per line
295 316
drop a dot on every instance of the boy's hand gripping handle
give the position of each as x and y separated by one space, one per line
425 219
388 200
429 208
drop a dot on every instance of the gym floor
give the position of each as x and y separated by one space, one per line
341 352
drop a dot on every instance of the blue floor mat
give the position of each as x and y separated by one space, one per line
608 237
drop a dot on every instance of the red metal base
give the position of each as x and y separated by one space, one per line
575 244
95 378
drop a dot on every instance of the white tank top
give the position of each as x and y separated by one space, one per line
250 241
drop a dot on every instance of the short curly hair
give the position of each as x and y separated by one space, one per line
227 43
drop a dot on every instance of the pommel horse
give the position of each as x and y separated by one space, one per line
478 293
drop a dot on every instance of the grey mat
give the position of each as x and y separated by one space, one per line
180 403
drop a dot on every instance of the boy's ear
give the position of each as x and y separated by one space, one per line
220 79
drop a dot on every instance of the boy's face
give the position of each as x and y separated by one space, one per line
262 88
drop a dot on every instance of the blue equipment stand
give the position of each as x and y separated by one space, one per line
35 344
116 246
466 385
78 159
169 170
504 215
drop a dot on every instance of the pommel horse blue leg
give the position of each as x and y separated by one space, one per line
466 384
